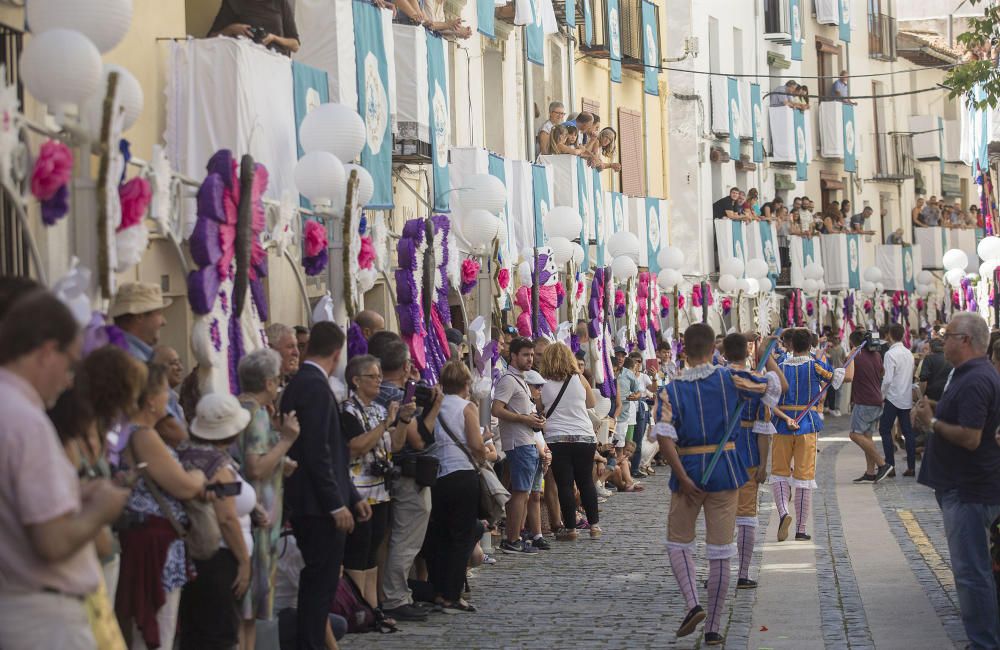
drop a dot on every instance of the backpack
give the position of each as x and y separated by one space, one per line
348 603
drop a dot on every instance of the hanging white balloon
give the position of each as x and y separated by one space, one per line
742 284
563 221
814 271
623 243
765 284
336 128
922 289
727 283
954 276
667 279
879 287
873 274
483 192
578 254
624 268
987 268
562 249
104 22
925 277
366 184
989 248
757 268
732 266
955 259
753 286
319 176
479 228
868 287
671 257
810 285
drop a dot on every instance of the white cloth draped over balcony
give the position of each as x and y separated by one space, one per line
803 251
827 12
720 104
782 119
837 268
522 206
572 186
899 265
926 138
831 129
413 112
934 242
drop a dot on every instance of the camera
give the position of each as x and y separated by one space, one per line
258 34
385 469
872 342
423 395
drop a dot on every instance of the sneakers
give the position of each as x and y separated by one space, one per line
802 537
783 526
866 478
406 613
884 471
489 559
690 622
566 535
835 413
714 638
603 491
540 543
746 583
518 547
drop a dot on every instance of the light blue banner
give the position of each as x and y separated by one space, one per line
796 25
850 139
769 247
597 193
536 37
583 199
540 197
310 88
437 90
588 25
614 40
739 249
758 123
486 18
808 252
844 15
653 233
373 101
908 282
853 261
801 167
982 143
617 212
650 49
940 127
571 13
496 169
734 118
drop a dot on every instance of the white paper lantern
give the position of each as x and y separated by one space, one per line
366 184
727 283
814 271
757 268
987 268
483 192
623 243
989 248
667 279
319 176
577 254
873 274
671 257
810 285
623 267
479 228
765 284
955 259
868 287
732 266
130 96
524 273
925 277
685 286
742 285
104 22
954 277
562 221
922 289
61 67
753 286
335 128
562 249
879 287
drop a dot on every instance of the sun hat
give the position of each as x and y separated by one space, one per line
532 378
138 298
219 416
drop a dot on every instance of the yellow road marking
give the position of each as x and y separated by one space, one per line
926 548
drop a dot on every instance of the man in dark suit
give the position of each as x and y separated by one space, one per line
321 499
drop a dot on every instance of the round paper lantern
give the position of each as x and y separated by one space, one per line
925 277
577 254
670 257
562 221
130 96
757 268
524 273
61 67
868 287
667 279
873 274
479 228
955 259
319 175
810 285
483 192
562 249
623 267
742 285
727 283
732 266
954 276
502 233
335 128
753 286
366 184
989 248
879 287
814 271
104 22
623 243
765 284
987 268
923 289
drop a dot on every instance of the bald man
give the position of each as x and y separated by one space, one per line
370 322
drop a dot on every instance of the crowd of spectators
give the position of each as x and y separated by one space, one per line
578 134
932 212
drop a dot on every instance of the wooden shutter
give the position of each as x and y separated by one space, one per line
630 148
588 105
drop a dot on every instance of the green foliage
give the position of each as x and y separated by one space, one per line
962 79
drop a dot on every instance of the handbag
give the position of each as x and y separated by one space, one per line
203 536
493 496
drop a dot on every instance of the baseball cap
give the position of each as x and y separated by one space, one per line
533 378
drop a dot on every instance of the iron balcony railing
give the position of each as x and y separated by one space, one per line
882 37
894 159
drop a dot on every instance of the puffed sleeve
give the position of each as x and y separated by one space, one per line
772 394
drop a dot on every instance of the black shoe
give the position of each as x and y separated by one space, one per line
746 583
714 638
884 471
865 478
690 622
802 537
406 613
540 543
783 526
892 474
518 548
909 473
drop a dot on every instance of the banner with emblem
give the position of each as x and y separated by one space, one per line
540 197
614 40
373 101
437 89
769 246
758 123
311 88
850 139
908 277
844 14
734 117
486 18
600 214
795 25
497 168
585 206
853 261
801 146
535 35
650 49
803 251
588 25
654 233
618 212
738 242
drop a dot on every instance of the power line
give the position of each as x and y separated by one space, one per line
946 66
853 97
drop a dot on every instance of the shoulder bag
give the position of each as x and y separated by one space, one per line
493 496
562 391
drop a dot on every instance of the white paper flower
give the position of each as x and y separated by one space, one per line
283 232
130 244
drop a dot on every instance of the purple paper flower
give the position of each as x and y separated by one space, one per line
215 334
356 343
56 207
316 264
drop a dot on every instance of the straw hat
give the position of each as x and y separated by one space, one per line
219 416
138 298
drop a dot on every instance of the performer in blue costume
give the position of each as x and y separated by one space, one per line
694 423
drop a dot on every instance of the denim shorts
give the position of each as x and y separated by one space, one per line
864 419
525 469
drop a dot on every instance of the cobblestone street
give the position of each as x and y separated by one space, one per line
876 575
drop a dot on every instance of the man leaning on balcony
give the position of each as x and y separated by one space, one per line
785 95
272 24
840 90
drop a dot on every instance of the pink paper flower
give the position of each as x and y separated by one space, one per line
579 289
503 278
366 256
53 169
135 196
470 271
315 238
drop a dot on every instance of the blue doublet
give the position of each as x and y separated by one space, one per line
806 377
755 416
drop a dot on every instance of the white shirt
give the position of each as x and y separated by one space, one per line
569 418
897 383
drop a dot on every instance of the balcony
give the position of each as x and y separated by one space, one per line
600 43
633 35
831 129
926 137
893 156
783 141
776 26
881 37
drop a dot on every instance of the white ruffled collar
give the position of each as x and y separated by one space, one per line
697 373
798 361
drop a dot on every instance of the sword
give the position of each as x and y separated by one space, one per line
815 400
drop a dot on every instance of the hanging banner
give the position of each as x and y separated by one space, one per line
654 232
571 13
795 24
540 196
588 25
758 123
311 88
600 234
618 216
808 251
769 246
586 206
801 166
853 261
734 118
536 35
373 101
614 41
845 20
486 18
850 139
908 281
650 49
437 89
738 243
497 169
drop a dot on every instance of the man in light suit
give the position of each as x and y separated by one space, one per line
320 498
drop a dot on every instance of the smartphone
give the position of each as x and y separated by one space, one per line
226 489
409 391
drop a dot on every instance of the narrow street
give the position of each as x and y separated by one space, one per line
875 575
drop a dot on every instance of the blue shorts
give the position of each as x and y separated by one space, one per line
525 469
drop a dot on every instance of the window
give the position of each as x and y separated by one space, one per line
828 57
588 105
881 31
776 21
493 110
631 155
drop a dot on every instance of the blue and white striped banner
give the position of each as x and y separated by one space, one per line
437 90
373 101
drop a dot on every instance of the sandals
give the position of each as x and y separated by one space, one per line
458 606
635 487
383 623
595 532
